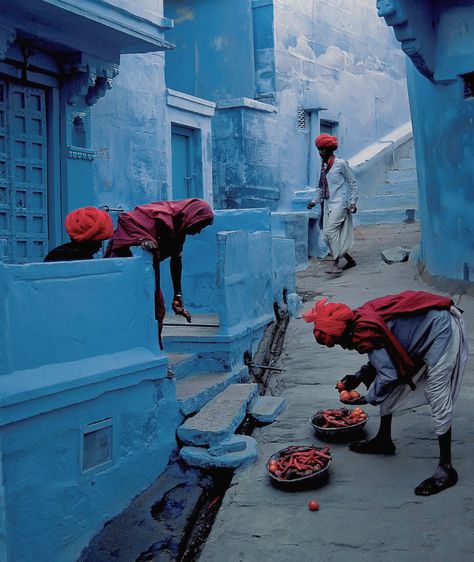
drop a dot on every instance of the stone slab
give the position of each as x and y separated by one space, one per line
219 419
200 456
395 255
232 445
265 409
196 391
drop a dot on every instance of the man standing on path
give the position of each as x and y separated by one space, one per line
338 192
417 348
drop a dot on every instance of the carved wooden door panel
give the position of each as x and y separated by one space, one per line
23 173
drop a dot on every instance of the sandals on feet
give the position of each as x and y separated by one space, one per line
434 485
373 447
349 264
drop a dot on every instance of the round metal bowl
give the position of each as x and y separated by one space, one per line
335 431
309 478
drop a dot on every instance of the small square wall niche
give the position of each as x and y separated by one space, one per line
97 445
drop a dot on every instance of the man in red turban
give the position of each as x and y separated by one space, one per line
417 348
337 192
87 227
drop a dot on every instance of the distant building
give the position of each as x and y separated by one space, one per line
280 73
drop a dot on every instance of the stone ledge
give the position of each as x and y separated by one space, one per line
246 103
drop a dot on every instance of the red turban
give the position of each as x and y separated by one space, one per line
330 320
326 141
89 223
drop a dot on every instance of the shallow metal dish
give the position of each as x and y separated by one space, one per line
309 478
335 431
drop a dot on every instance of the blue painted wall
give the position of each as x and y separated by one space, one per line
442 126
201 267
80 349
130 136
214 57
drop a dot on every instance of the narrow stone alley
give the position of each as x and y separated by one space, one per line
368 509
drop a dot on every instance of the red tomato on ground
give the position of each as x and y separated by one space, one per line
313 505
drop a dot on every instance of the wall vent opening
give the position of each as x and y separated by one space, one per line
302 118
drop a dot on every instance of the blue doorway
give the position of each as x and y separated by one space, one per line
186 181
23 172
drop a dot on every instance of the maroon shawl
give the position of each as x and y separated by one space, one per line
164 222
370 331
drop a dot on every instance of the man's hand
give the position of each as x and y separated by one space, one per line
149 245
352 209
350 382
178 307
311 204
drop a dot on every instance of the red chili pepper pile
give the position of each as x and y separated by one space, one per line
297 462
342 417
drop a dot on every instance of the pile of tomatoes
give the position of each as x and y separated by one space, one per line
346 395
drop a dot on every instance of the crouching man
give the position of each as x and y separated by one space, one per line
417 349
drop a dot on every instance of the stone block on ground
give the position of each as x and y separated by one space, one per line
200 456
294 304
265 409
232 445
219 419
395 255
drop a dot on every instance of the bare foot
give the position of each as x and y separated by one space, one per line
443 478
374 447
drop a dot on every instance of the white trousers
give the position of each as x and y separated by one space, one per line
338 231
438 385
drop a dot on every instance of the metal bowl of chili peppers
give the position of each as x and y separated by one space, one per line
299 464
338 421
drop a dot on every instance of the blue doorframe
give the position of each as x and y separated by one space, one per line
186 159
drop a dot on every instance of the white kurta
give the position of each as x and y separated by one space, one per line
337 221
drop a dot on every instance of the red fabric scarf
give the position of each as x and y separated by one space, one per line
370 331
163 222
323 180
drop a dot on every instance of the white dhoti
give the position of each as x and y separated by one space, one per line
438 385
338 231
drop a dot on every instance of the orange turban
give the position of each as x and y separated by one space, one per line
89 223
326 141
330 320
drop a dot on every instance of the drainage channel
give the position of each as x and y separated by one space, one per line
171 520
260 370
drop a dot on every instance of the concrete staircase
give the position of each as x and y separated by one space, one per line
386 172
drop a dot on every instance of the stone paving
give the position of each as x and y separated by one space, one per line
368 510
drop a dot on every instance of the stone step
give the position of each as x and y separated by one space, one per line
392 201
201 325
392 176
219 419
398 187
266 409
202 457
197 390
181 364
384 216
